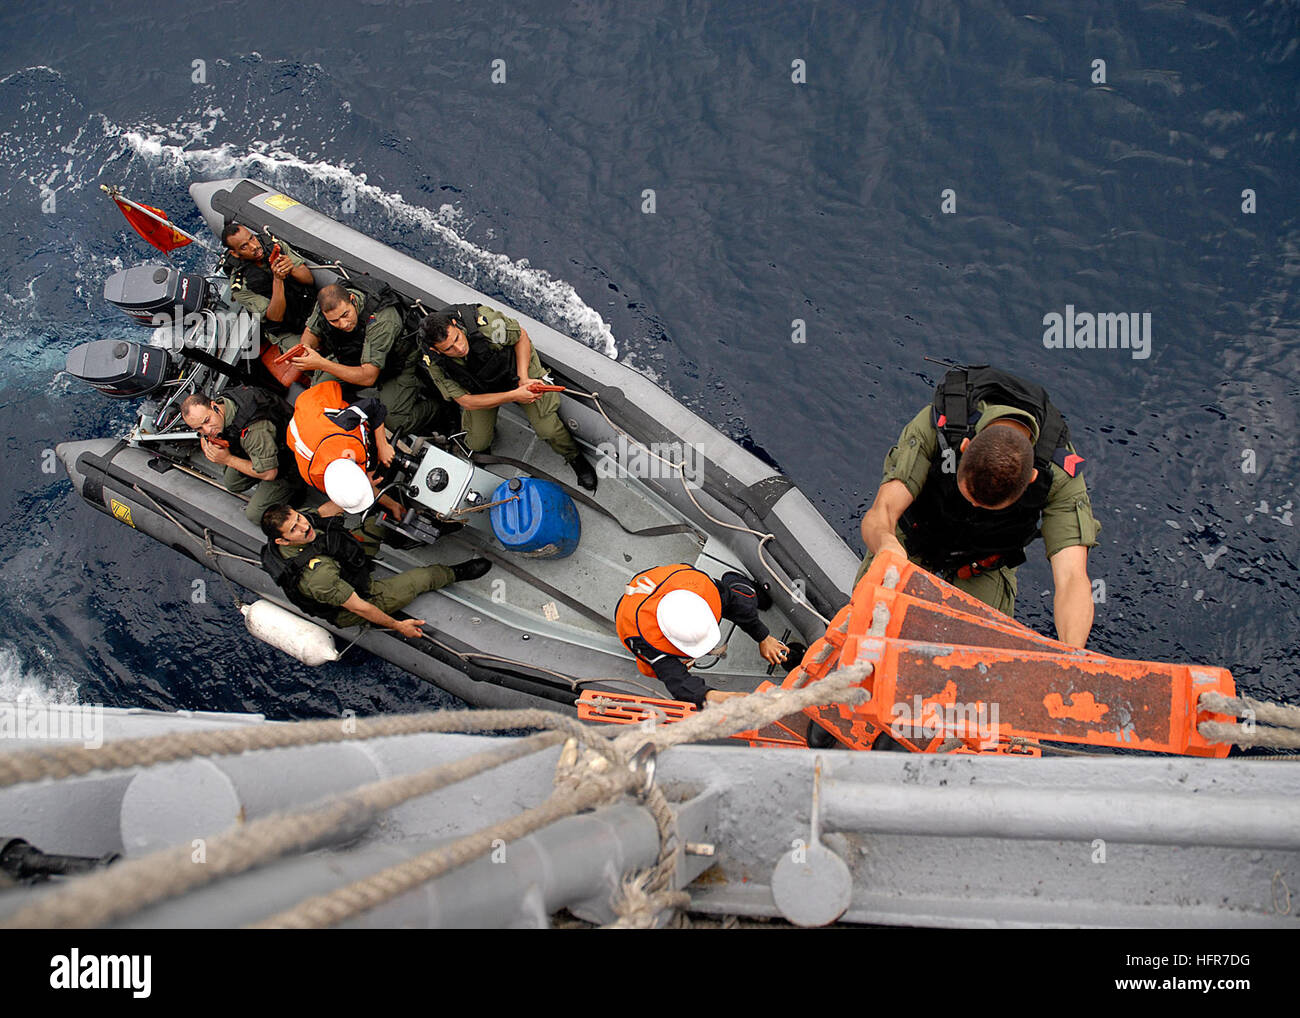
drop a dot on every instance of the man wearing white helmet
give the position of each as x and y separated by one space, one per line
330 437
325 569
348 487
669 616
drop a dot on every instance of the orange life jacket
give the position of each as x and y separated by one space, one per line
635 614
317 441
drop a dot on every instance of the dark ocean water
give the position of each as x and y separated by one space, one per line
774 201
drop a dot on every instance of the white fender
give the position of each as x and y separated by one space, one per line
309 643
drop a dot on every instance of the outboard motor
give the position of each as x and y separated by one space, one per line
119 369
152 294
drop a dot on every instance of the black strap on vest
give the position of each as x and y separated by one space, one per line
299 298
487 367
348 347
941 529
964 388
332 541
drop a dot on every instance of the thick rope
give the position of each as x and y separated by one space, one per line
73 761
129 886
1282 715
584 780
1222 731
1286 734
638 906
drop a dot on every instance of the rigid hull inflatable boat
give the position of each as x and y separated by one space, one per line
534 631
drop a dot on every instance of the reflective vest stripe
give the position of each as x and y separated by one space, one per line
299 446
314 435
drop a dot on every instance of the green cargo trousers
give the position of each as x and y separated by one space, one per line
267 493
544 415
996 588
394 593
411 408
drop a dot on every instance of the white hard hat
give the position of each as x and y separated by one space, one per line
687 620
348 486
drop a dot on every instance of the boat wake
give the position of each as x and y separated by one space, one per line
484 270
60 151
20 684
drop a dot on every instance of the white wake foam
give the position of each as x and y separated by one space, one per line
267 161
18 682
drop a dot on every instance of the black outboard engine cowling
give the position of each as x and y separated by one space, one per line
150 294
118 368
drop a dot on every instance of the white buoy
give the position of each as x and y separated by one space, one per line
309 643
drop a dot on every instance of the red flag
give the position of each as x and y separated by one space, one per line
161 235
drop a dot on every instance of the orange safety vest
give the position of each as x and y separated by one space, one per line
317 441
635 614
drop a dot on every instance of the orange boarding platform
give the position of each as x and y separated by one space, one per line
950 674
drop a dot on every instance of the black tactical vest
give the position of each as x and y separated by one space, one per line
347 347
488 367
253 405
332 541
299 298
941 528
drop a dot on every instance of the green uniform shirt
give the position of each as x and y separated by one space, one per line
321 580
1067 517
500 329
255 303
381 334
259 441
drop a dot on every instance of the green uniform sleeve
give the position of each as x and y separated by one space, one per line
292 255
381 335
499 328
316 321
1067 517
260 444
322 583
253 303
909 460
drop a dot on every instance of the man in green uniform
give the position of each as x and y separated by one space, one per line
244 431
481 359
355 335
975 478
324 569
276 287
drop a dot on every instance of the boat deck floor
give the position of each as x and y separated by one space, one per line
573 598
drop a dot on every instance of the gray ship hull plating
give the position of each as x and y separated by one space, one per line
970 841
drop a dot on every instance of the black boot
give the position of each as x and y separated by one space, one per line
470 569
586 473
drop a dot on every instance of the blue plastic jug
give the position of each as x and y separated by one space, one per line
542 522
